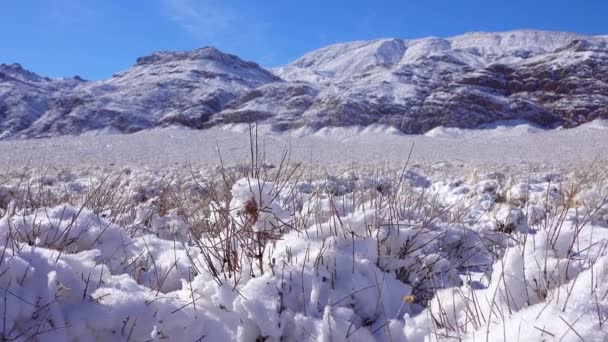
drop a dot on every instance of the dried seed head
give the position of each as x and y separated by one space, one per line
251 210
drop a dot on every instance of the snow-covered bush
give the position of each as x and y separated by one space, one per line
262 253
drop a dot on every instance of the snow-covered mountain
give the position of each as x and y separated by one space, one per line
165 88
548 78
465 81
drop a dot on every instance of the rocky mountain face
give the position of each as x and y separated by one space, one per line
166 88
466 81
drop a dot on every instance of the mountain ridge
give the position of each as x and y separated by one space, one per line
465 81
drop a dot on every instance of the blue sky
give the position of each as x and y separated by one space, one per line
95 38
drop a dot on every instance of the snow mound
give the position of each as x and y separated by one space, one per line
499 129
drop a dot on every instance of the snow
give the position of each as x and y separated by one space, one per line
339 252
341 61
170 234
259 196
163 88
600 124
413 85
371 145
513 128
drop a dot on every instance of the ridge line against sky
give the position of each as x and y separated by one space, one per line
96 38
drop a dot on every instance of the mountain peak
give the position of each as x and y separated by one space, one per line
347 60
502 43
17 71
203 53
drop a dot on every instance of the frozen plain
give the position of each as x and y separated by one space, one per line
510 144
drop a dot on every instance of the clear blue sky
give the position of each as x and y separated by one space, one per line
95 38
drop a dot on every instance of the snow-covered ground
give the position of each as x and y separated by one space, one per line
502 144
499 234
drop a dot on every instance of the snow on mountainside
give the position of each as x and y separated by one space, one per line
343 61
547 78
164 88
544 77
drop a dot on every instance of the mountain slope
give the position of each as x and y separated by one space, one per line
164 88
548 78
463 81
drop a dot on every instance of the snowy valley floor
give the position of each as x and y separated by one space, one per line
329 146
482 235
